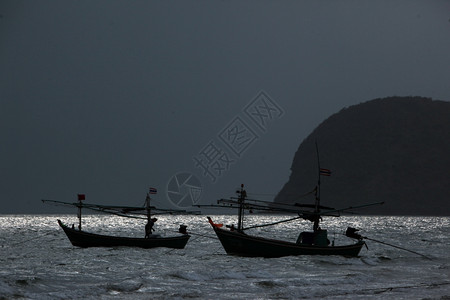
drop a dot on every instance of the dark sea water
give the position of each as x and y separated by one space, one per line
38 261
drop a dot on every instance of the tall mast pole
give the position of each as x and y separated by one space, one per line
79 214
147 206
317 201
242 195
80 204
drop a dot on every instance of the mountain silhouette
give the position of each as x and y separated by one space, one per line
395 150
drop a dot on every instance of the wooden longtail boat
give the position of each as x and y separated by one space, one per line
242 244
236 241
85 239
81 238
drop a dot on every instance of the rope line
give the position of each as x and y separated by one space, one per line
32 239
275 223
401 248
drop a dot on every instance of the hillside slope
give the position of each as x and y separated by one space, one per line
393 149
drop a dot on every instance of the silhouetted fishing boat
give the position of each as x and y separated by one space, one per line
81 238
85 239
236 241
241 244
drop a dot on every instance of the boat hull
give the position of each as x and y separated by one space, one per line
85 239
241 244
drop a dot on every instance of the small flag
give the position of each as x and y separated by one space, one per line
81 197
325 172
152 191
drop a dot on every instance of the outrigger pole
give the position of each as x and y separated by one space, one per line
351 232
401 248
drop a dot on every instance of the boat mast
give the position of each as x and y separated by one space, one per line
80 204
317 201
147 207
242 194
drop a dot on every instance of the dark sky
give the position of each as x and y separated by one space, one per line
109 98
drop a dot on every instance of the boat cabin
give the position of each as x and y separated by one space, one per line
318 238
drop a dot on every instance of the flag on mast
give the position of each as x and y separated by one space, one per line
81 197
152 191
325 172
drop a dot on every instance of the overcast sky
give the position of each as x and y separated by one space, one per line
109 98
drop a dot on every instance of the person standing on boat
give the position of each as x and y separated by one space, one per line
182 229
149 227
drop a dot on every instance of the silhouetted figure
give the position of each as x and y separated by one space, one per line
149 227
182 229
